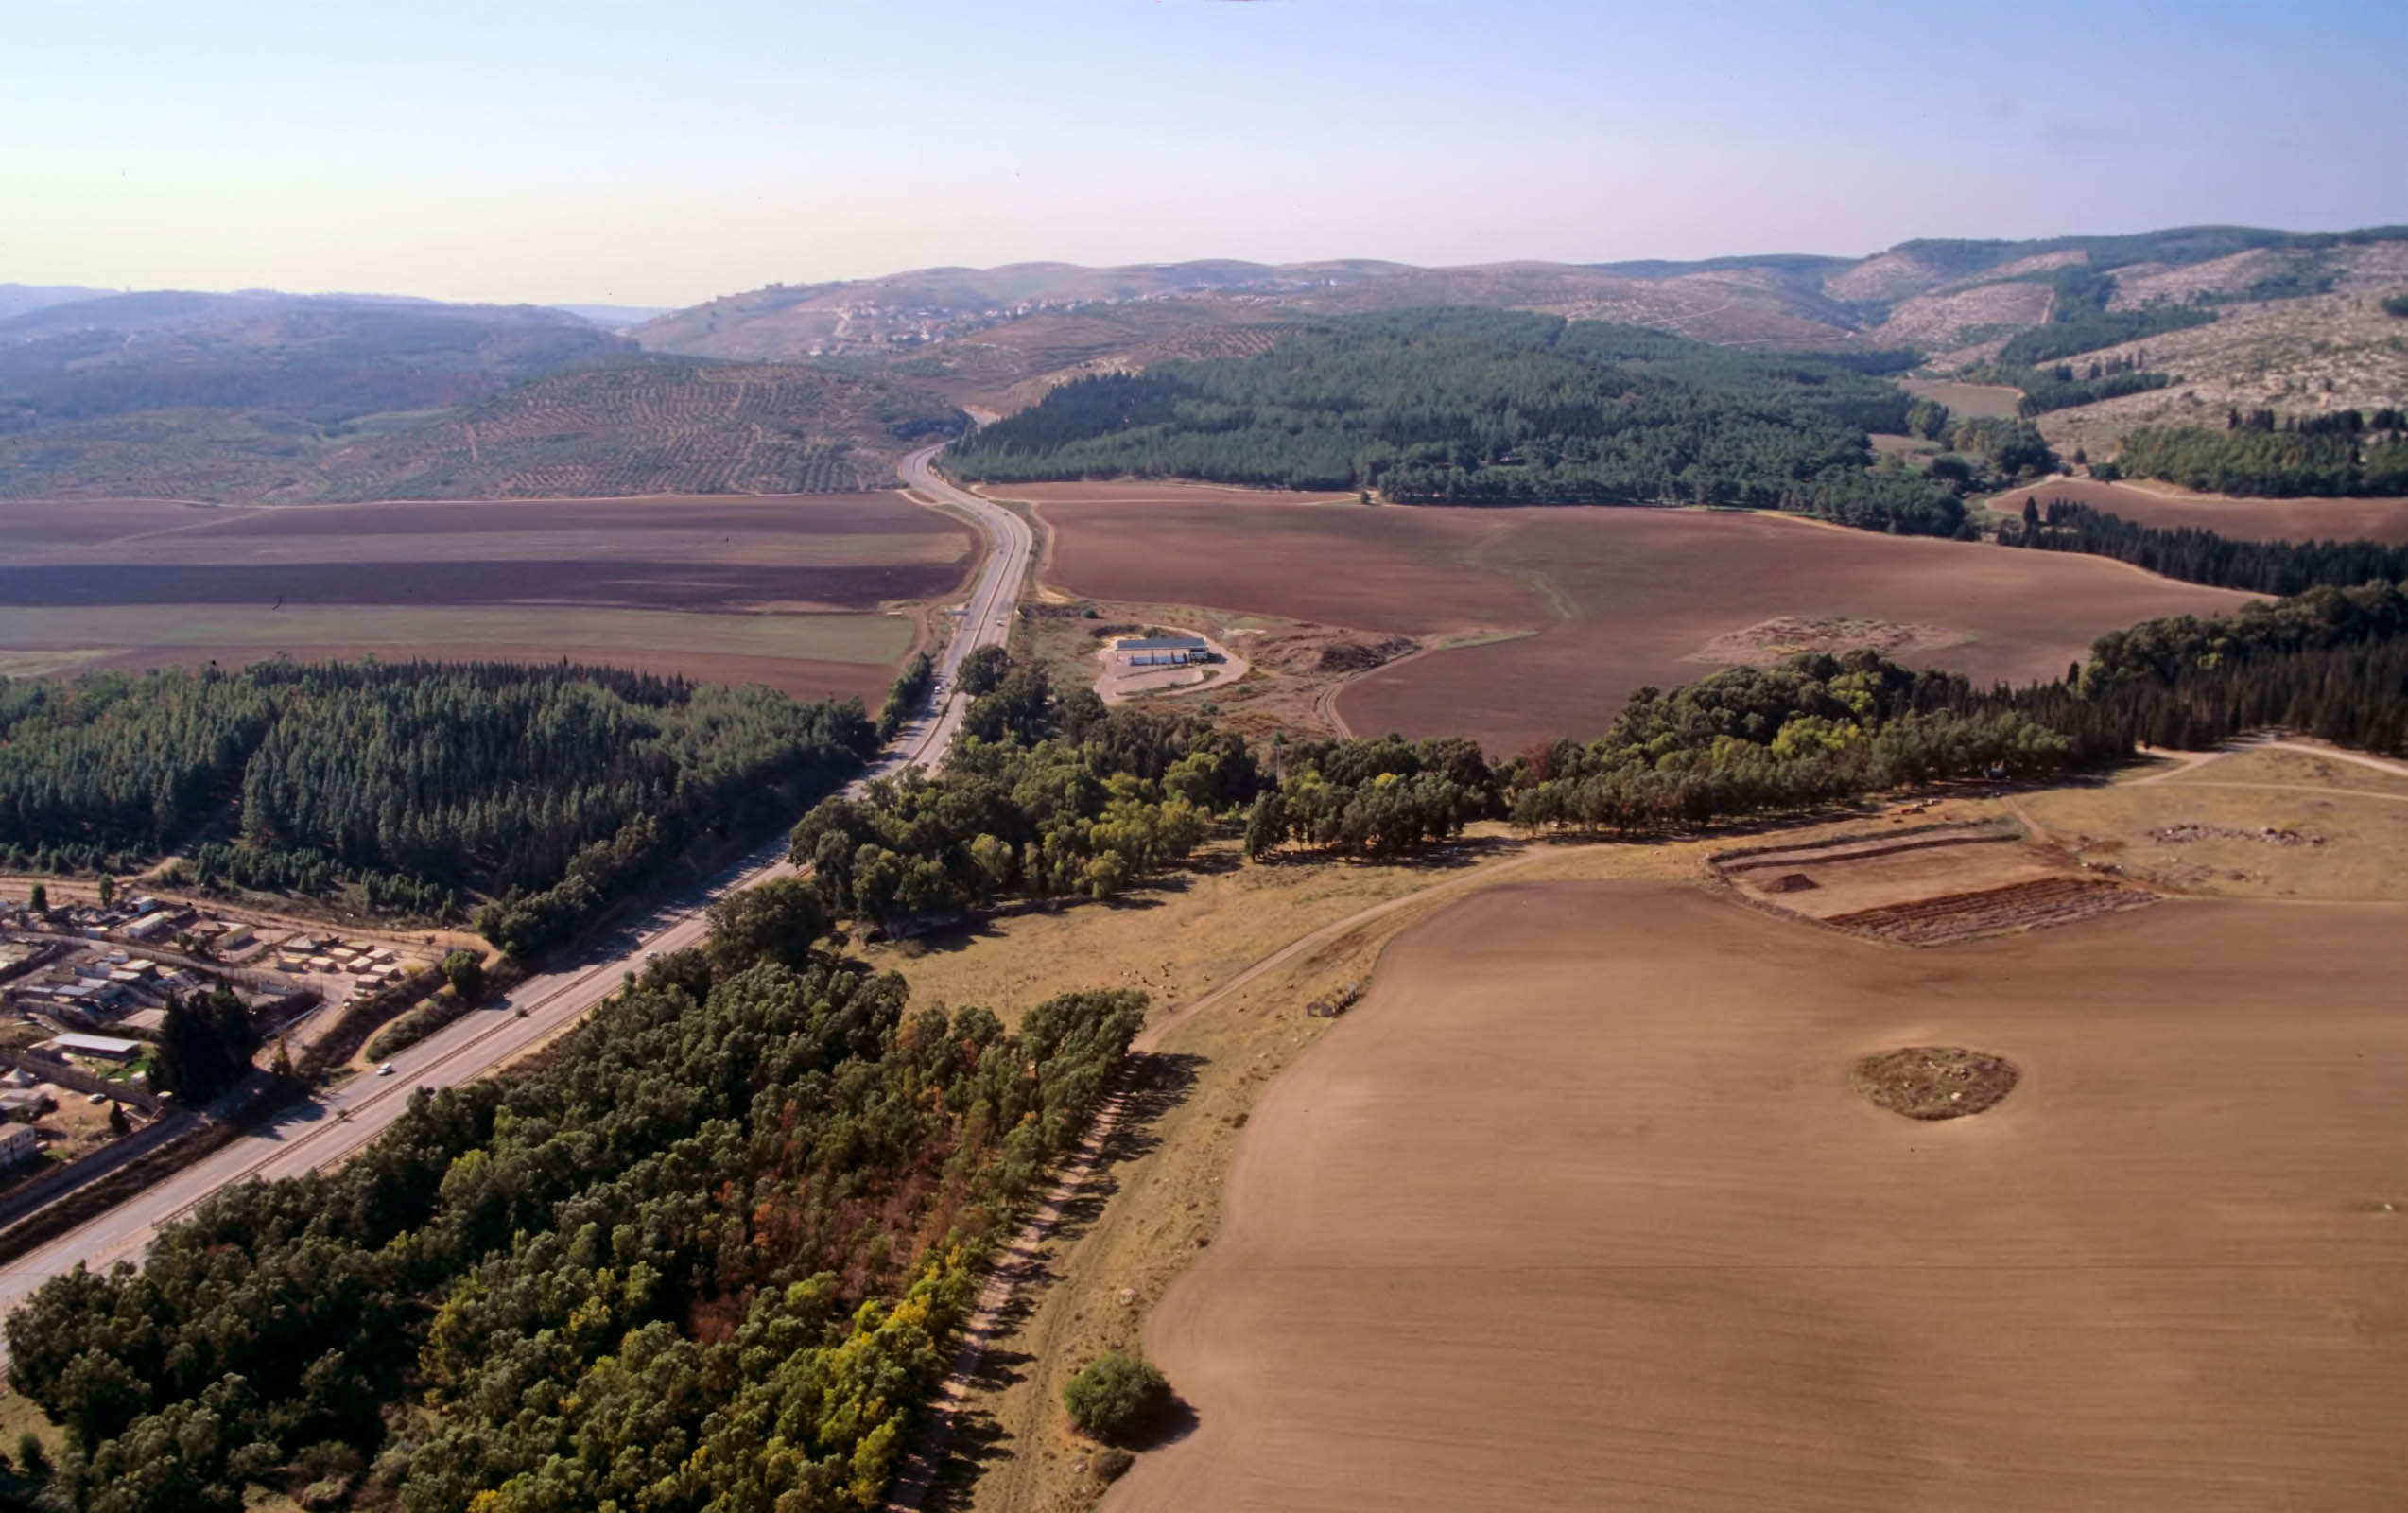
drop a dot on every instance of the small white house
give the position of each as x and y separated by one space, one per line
18 1142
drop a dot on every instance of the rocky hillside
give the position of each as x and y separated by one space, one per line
998 337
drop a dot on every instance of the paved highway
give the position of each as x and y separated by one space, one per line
331 1127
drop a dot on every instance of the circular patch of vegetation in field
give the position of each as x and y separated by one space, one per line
1933 1081
1116 1397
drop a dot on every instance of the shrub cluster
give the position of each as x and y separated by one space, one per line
1116 1395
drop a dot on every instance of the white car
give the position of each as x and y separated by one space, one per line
385 1070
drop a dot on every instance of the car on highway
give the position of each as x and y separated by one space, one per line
385 1070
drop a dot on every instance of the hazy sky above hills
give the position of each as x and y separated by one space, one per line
659 155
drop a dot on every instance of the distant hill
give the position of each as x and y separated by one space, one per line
638 426
323 358
997 338
16 299
261 395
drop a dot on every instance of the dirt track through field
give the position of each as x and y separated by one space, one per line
1578 1211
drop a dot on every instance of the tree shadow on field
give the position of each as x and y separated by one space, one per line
1155 1084
1175 1422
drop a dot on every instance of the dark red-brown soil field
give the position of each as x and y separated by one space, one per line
1579 1210
2383 520
786 590
1598 601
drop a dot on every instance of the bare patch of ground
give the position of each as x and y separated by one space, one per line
1784 635
2218 827
1937 319
1965 399
1933 1081
1925 885
1117 683
1945 917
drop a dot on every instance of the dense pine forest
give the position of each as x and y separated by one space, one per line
2345 452
708 1256
1485 407
550 788
2198 556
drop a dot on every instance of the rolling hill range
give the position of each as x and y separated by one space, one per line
998 337
16 299
1926 291
257 397
326 360
645 426
264 396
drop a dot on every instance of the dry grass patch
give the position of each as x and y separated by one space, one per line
2238 837
1176 938
2291 767
1933 1081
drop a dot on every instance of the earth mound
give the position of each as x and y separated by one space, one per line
1768 641
1933 1081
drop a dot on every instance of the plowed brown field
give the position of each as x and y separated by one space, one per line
2384 520
1596 601
1578 1211
784 590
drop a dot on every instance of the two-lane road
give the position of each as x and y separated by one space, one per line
331 1127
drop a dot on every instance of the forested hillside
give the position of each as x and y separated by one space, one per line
320 360
707 1257
2341 452
634 426
1490 407
551 788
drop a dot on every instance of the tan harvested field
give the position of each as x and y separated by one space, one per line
2162 504
2257 824
1575 608
1965 399
811 594
1579 1210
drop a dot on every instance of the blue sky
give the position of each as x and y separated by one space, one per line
659 154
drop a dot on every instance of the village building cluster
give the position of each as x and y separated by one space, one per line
84 990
